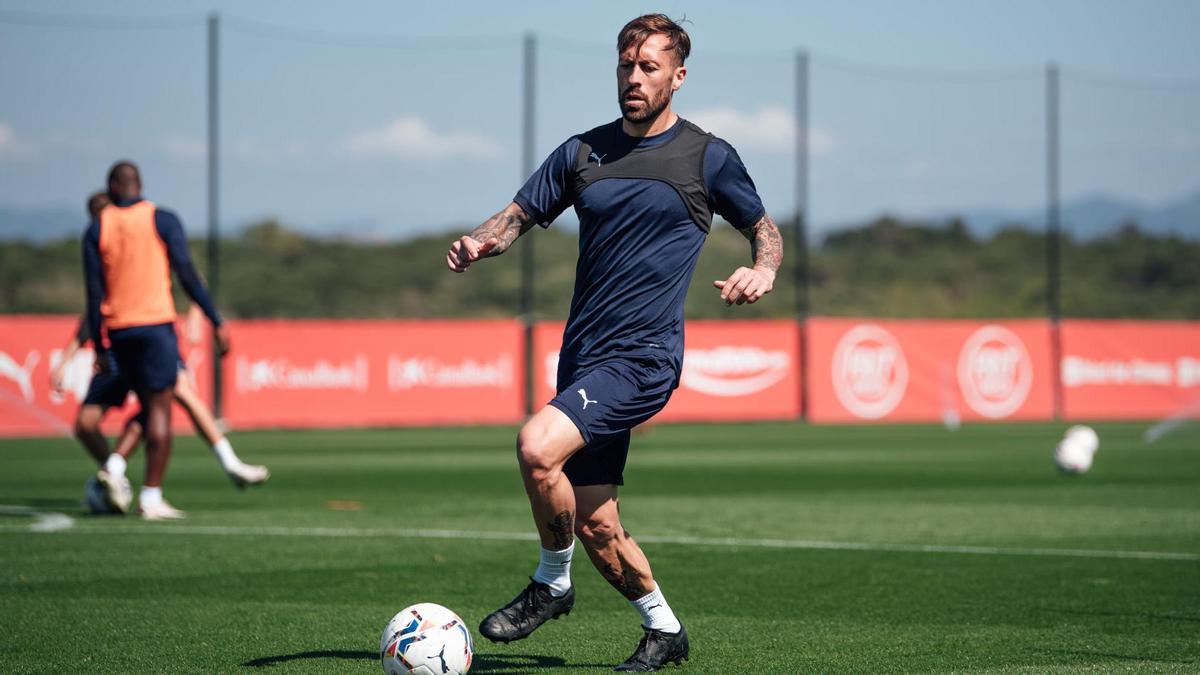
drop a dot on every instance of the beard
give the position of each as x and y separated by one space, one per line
651 108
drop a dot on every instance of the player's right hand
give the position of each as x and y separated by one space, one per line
100 365
466 250
56 378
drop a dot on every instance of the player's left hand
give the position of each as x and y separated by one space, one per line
466 250
223 341
746 285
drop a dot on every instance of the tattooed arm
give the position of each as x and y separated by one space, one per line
747 285
491 238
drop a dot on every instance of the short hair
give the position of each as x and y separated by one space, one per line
116 169
95 202
640 29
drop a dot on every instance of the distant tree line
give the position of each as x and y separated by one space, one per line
885 268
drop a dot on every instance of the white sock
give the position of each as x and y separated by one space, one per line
655 611
554 570
224 452
150 496
115 465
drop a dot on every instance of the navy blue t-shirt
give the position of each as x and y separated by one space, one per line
638 246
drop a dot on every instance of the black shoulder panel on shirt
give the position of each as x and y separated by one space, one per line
607 152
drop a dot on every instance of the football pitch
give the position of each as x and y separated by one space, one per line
784 548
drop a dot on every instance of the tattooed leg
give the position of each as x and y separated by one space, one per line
611 548
562 529
545 443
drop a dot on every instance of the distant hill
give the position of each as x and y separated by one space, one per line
1084 219
1090 217
884 268
41 225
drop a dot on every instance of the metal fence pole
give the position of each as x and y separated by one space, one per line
527 246
1053 237
214 233
799 241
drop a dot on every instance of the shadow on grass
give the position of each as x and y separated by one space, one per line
1111 655
509 664
47 503
1127 615
343 654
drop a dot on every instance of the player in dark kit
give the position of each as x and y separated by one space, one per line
129 252
645 188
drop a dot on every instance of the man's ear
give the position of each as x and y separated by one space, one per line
680 74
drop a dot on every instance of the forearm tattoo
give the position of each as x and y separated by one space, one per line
504 227
563 529
626 581
766 244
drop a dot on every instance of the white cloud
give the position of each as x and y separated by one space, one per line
411 137
10 145
184 148
1184 142
771 129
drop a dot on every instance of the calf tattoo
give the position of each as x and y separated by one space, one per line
626 581
563 529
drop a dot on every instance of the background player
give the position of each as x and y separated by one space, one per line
129 252
645 188
88 419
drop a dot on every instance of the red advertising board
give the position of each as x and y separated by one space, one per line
1130 369
382 373
902 370
31 346
732 370
373 373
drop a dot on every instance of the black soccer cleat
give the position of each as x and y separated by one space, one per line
531 608
656 650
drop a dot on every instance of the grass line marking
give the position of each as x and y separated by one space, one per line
42 521
724 542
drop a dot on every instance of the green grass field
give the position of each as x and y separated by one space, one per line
784 549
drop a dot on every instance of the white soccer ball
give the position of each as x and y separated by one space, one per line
1075 452
94 498
427 639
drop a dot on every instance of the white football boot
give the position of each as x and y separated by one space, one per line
160 511
248 474
117 491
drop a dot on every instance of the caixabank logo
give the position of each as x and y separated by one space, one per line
870 373
995 372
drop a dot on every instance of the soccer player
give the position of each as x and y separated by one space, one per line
129 251
645 188
109 389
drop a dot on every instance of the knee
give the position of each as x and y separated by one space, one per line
135 425
157 430
87 422
596 531
536 456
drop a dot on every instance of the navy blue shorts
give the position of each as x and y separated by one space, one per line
606 401
107 389
148 356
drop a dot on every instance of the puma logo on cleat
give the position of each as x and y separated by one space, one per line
586 400
598 158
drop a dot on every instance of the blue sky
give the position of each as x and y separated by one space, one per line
918 107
